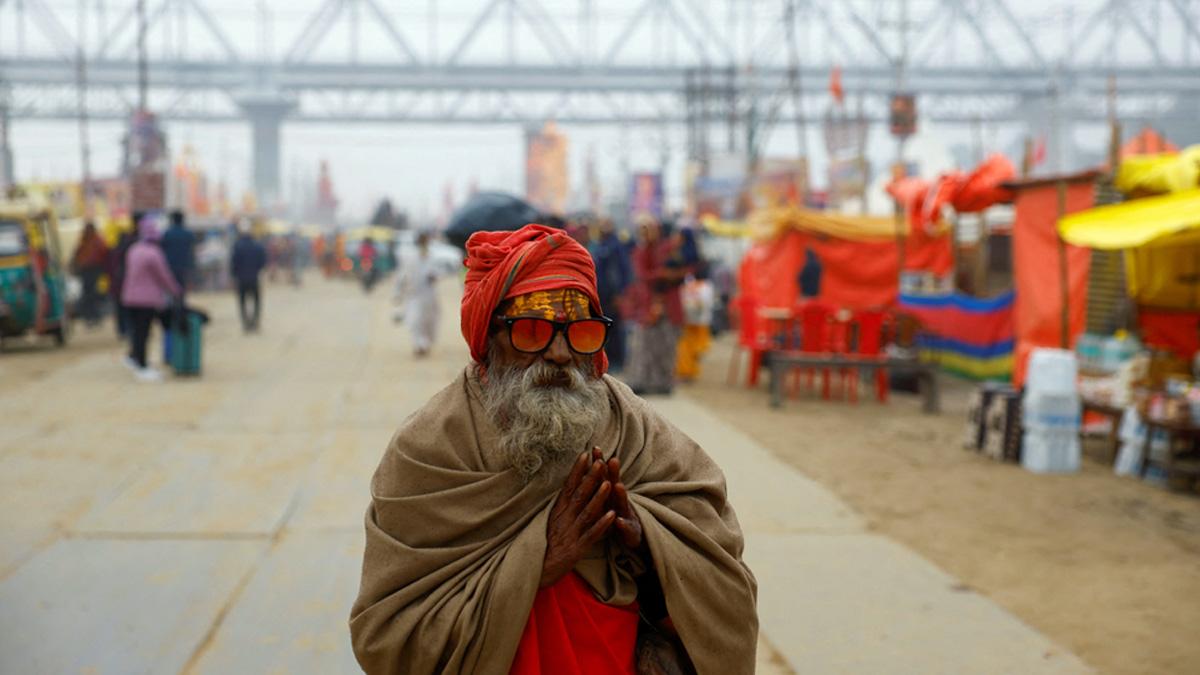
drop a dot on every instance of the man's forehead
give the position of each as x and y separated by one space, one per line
557 305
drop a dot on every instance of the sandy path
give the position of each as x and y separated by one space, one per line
1108 567
211 525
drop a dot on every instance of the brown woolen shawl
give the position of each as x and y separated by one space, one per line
455 542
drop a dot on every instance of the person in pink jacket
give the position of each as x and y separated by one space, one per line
146 292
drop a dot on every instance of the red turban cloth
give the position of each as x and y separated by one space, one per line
503 265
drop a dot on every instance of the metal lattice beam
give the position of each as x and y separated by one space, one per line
1010 60
1005 11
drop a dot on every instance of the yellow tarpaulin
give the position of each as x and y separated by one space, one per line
725 228
1160 174
768 223
765 223
1168 220
376 232
1161 238
1165 277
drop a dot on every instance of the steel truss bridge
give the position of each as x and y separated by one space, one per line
601 62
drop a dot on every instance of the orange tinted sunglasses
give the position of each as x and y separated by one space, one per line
532 335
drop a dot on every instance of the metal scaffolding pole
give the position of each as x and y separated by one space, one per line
85 146
6 157
143 66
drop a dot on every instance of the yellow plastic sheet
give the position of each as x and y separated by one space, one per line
725 228
1164 277
766 223
1160 174
1169 220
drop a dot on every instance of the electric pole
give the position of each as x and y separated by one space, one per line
6 169
901 84
85 151
143 66
901 73
81 86
797 91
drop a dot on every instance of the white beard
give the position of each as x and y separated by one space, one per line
546 414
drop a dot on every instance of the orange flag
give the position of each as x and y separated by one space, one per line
835 85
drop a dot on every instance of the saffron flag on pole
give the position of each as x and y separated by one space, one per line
835 85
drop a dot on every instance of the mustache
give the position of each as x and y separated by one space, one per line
541 374
547 375
545 414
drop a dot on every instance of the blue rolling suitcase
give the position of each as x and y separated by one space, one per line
186 338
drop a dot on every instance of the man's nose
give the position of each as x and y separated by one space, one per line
558 352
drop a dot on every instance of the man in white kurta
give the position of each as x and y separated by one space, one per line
416 288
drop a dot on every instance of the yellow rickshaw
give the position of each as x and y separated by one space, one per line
32 276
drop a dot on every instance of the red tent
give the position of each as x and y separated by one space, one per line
1147 142
1047 314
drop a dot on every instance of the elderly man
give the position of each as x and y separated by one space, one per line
535 517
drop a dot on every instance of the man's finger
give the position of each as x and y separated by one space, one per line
621 499
571 484
588 488
614 470
629 530
595 507
577 472
599 528
597 455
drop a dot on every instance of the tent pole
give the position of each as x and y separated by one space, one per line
1065 334
981 257
901 220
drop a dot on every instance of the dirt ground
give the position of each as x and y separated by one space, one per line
1107 566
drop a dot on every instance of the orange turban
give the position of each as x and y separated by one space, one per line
503 265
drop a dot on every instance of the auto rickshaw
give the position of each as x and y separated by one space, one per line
32 277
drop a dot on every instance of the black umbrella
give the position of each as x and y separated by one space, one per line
489 211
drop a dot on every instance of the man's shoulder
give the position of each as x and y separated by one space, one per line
441 429
626 403
450 401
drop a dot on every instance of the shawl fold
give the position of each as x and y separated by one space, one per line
455 541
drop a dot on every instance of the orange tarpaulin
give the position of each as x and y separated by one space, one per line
1036 264
926 252
1178 332
1147 142
854 274
924 200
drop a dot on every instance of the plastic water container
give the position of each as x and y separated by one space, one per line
1088 349
1052 371
1117 350
1051 410
1050 451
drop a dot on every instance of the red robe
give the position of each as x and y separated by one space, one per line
570 632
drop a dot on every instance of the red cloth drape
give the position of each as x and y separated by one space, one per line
570 632
854 274
923 200
1176 331
1038 308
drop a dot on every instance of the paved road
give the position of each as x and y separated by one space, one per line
214 525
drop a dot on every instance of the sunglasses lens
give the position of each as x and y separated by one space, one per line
587 337
531 335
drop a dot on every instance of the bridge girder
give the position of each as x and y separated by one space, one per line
968 61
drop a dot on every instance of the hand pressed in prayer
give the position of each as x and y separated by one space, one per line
578 519
628 527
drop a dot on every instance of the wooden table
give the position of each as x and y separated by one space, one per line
1175 431
1114 414
781 361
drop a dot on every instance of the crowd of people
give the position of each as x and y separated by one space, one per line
652 281
150 271
656 286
